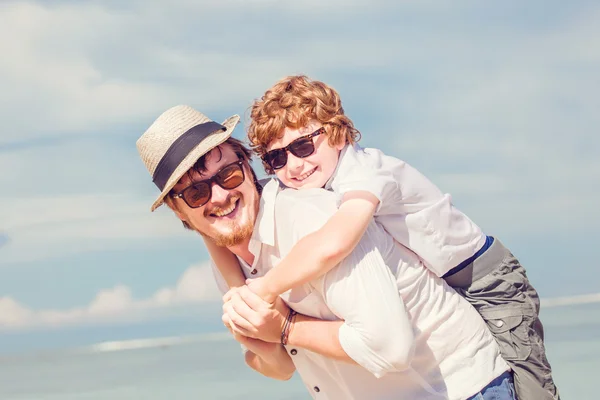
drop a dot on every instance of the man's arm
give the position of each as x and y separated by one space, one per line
268 359
376 333
250 316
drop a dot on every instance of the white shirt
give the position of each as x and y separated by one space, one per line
412 335
411 208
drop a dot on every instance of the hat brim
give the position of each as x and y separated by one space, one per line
213 140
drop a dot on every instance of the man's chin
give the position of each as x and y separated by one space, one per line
235 237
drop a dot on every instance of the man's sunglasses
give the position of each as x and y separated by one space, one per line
301 147
199 193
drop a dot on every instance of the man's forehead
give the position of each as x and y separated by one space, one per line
214 160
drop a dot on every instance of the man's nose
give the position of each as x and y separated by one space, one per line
219 195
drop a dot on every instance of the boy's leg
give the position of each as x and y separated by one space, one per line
510 306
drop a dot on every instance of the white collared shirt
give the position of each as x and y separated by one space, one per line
412 335
411 208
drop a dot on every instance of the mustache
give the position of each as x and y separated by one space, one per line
227 204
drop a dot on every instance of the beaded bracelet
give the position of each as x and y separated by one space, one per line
287 327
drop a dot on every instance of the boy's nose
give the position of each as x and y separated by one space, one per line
295 164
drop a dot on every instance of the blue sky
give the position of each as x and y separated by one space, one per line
495 101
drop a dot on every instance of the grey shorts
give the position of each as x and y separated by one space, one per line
497 286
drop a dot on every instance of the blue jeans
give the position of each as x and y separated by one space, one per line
501 388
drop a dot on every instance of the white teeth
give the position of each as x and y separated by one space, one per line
306 175
227 211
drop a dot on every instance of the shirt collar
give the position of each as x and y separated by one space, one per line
343 155
264 228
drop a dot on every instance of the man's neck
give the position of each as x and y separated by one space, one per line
242 251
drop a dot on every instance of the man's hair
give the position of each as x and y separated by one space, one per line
238 147
292 103
240 150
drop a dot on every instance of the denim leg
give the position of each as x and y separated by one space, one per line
501 388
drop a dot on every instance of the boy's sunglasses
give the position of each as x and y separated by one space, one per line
301 147
199 193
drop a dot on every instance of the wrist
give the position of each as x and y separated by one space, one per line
288 326
269 289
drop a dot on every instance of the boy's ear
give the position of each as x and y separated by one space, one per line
340 145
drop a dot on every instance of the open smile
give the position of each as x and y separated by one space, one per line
229 212
306 175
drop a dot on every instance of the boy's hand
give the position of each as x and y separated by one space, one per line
248 315
258 287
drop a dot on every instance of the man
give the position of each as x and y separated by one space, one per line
378 326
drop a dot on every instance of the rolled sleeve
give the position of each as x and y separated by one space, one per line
362 291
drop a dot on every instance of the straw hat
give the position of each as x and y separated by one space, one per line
175 141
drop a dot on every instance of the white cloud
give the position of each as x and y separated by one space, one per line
53 226
116 304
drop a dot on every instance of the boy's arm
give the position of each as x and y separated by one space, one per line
227 263
318 252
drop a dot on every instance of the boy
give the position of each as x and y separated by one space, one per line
301 133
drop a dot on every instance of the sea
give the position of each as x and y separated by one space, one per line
210 366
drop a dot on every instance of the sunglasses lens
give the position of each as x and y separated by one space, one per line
276 158
197 195
230 177
302 147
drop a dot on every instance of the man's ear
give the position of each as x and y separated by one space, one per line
180 215
171 204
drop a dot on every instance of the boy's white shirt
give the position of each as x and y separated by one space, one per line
392 306
411 208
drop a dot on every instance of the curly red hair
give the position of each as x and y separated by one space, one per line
292 103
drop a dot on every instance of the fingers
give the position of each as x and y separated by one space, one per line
239 316
244 311
230 292
254 301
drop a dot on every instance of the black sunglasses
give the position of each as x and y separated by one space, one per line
301 147
199 193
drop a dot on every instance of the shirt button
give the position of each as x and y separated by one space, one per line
293 352
316 388
253 272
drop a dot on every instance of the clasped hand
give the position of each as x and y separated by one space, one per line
246 314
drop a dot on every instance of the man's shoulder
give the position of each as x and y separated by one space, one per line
316 200
301 212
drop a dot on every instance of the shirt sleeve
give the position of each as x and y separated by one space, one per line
223 288
411 208
356 176
221 283
362 291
